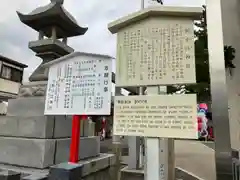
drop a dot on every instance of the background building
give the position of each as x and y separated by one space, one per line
11 75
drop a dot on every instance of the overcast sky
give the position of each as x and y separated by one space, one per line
95 14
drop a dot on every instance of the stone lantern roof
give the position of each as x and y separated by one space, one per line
53 14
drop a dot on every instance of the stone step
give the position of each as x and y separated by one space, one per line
42 153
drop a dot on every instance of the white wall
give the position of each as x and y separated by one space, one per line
9 86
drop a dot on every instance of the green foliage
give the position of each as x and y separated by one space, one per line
229 54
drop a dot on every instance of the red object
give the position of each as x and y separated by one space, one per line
75 139
210 131
103 127
199 123
104 123
203 106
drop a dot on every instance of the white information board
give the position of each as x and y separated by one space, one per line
156 51
81 85
165 116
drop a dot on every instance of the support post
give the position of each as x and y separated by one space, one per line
40 35
134 145
133 152
116 141
75 138
159 152
142 4
54 33
223 158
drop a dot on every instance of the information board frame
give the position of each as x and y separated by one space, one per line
133 116
85 76
145 57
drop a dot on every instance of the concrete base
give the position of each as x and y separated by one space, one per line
97 168
42 153
34 177
139 174
65 171
89 147
30 139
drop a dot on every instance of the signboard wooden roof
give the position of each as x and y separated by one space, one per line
190 12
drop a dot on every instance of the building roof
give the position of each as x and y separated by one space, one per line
53 14
190 12
75 54
10 61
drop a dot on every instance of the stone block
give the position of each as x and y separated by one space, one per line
37 153
65 171
26 106
8 126
88 128
81 128
69 119
96 164
9 175
63 127
89 147
34 126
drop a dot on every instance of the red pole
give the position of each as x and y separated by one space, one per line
75 139
74 148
